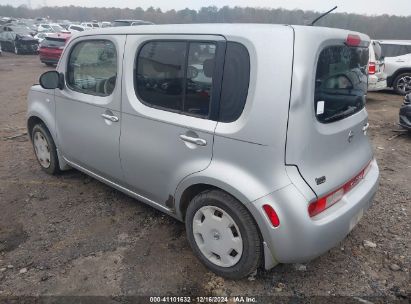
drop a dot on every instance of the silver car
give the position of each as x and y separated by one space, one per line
254 135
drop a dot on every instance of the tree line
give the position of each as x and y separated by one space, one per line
378 27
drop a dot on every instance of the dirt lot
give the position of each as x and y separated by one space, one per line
72 235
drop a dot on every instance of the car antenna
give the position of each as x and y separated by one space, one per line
323 15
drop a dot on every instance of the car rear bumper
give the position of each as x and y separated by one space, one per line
49 60
375 83
300 238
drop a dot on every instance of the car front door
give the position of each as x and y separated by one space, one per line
170 90
88 108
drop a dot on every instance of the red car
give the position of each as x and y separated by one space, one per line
51 48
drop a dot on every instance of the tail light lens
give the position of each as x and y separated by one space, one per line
371 68
330 199
353 40
272 215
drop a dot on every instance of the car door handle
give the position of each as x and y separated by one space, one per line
365 128
193 140
110 117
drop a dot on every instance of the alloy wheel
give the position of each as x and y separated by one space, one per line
404 84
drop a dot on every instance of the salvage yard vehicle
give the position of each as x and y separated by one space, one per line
397 59
18 40
261 150
52 47
377 79
405 113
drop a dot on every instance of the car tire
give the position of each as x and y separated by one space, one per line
402 81
212 241
45 149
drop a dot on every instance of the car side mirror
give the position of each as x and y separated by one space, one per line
52 80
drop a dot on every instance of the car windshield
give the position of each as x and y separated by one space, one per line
121 23
21 30
341 82
57 28
53 42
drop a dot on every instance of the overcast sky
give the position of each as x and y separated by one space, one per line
369 7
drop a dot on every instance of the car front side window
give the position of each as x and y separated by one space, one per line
92 67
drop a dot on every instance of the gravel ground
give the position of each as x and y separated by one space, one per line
72 235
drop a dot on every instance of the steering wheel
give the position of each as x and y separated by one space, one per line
109 85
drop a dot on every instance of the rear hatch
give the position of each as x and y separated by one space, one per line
326 136
54 46
377 64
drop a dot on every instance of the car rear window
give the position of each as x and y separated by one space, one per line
53 42
340 82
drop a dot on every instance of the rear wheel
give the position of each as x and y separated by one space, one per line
402 84
45 149
223 234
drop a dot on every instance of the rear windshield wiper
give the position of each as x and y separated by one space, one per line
345 113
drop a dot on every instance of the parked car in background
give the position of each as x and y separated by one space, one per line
18 41
405 113
40 36
75 28
265 166
90 25
377 79
51 48
105 24
51 27
129 22
397 59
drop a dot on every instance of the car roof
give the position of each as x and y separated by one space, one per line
225 29
399 42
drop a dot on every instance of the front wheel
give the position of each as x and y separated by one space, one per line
402 84
223 234
45 149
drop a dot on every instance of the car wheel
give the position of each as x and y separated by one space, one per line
402 84
223 234
45 149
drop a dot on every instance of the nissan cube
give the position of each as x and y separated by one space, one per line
253 135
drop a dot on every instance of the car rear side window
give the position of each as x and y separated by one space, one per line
92 67
236 78
394 50
176 76
340 82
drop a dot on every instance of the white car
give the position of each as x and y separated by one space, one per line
397 55
75 28
377 79
50 27
40 36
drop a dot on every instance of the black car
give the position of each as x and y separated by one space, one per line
18 40
405 113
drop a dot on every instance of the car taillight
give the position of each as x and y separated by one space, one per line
330 199
371 68
353 40
272 215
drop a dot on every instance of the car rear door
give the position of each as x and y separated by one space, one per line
170 86
327 130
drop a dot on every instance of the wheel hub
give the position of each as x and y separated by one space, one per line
42 149
217 236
